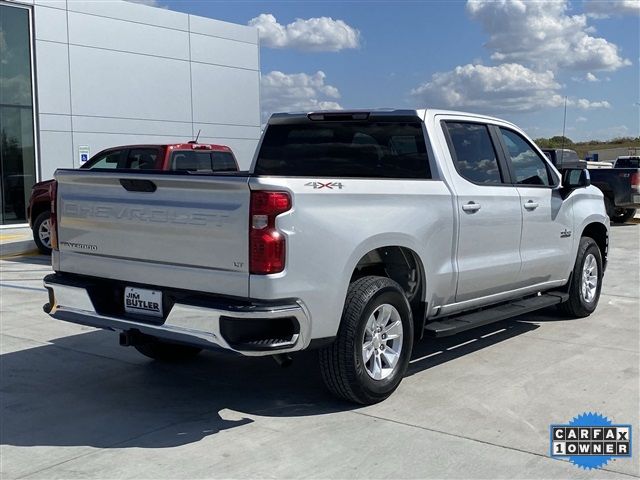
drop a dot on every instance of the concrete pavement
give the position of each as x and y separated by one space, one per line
479 405
16 241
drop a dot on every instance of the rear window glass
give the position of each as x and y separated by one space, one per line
628 163
570 156
203 161
345 149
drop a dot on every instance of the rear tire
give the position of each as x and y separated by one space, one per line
167 351
622 215
371 352
586 281
42 232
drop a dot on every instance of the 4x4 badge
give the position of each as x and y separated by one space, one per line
565 233
329 185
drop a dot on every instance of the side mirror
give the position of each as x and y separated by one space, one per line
573 178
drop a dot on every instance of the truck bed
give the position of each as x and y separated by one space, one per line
620 185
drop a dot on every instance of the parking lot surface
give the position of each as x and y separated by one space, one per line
478 405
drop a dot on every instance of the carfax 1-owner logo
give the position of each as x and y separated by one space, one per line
590 440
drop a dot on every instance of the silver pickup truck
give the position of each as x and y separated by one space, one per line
355 233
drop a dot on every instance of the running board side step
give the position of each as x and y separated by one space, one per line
460 323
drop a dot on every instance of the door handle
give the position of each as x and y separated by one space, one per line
471 207
531 205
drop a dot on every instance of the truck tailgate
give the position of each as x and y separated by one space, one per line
169 230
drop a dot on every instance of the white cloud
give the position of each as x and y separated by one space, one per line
589 77
323 34
585 104
541 35
581 119
509 87
282 92
608 8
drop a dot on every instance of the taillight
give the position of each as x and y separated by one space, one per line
53 195
635 181
266 243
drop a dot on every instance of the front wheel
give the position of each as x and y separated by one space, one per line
586 281
371 352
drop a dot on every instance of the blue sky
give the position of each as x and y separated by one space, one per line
514 59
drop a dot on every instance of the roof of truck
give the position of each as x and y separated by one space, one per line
177 146
375 113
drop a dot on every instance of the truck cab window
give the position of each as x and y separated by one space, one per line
106 160
142 159
203 161
529 168
223 162
345 149
475 158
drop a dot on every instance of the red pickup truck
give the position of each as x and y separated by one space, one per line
197 157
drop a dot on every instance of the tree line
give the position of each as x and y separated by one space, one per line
558 141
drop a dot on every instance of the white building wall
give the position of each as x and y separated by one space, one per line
113 72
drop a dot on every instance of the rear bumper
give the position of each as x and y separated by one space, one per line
628 201
216 326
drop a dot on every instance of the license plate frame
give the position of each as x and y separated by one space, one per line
143 301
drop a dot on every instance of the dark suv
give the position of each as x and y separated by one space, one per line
194 157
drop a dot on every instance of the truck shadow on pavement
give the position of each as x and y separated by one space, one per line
35 259
622 225
85 390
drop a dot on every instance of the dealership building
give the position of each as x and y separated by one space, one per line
80 76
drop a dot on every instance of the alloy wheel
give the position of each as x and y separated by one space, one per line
382 342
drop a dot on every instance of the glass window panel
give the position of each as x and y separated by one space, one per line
529 167
223 162
475 157
143 159
108 159
17 143
345 149
15 56
17 155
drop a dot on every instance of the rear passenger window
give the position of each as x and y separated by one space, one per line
474 155
142 159
528 167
